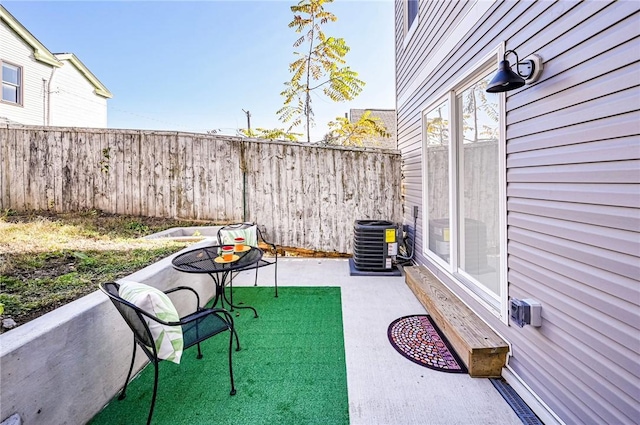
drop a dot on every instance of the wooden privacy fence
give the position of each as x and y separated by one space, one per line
305 196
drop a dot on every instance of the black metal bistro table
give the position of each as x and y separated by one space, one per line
208 260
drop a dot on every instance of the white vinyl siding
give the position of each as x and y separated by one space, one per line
59 96
15 51
73 101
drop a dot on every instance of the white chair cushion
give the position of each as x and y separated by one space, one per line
168 339
249 234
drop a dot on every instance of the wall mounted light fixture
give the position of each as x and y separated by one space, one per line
506 79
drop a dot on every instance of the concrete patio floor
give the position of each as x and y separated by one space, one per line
384 387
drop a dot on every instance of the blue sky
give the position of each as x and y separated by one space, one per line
194 66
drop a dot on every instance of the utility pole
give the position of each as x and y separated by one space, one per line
248 120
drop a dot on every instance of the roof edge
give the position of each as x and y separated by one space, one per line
40 53
100 89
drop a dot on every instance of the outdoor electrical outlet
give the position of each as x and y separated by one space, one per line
415 210
526 312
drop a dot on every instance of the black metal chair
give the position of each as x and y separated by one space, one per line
254 237
203 323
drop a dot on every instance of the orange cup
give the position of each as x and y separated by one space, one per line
227 253
239 244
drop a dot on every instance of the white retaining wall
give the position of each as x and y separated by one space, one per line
63 367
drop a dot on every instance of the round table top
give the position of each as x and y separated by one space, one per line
203 260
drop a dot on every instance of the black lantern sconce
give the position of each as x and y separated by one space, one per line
506 79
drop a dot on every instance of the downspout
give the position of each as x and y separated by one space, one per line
47 97
45 101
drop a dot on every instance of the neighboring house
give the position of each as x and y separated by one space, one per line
42 88
387 118
533 193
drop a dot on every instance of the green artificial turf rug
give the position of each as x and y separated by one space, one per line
290 369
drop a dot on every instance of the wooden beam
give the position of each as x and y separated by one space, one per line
480 348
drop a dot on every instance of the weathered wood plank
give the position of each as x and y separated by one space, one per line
186 153
68 187
121 170
136 186
102 173
174 172
145 177
93 157
70 172
225 161
326 201
114 171
130 189
164 174
46 173
31 173
214 176
299 193
83 169
16 182
199 181
57 171
4 166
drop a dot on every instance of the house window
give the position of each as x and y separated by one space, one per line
411 17
463 186
412 12
12 83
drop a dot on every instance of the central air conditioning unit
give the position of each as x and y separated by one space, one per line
375 247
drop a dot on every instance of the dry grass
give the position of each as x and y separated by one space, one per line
47 260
